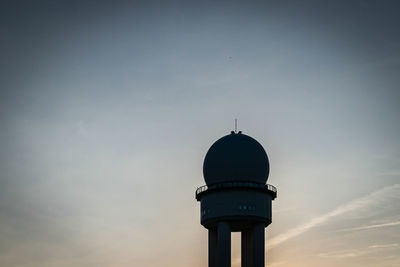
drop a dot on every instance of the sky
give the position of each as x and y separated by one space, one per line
107 109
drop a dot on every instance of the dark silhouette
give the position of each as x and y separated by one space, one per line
236 199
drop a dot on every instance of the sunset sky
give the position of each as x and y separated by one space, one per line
107 110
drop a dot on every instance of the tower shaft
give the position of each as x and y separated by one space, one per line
224 245
253 246
212 247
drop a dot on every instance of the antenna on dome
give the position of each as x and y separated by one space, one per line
235 125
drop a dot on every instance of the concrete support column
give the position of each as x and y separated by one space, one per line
258 245
247 248
212 247
224 245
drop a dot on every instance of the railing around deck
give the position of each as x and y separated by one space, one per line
227 185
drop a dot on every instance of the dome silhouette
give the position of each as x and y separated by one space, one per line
236 157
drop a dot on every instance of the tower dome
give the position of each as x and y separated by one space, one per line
236 157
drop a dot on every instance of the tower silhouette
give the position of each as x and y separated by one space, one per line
236 198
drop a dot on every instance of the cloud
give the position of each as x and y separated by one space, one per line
368 200
278 263
358 252
385 246
373 226
342 254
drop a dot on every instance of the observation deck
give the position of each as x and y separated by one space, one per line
202 190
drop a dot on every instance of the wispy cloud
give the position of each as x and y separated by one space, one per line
358 252
342 254
395 245
373 226
278 263
352 206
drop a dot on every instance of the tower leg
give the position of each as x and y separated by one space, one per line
247 248
259 245
224 245
212 247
